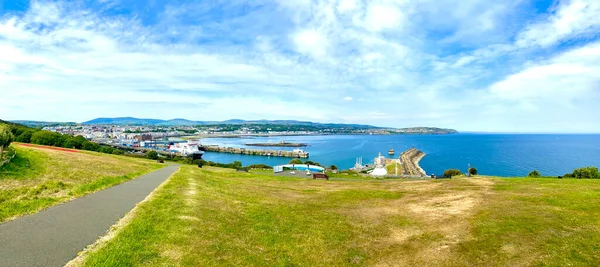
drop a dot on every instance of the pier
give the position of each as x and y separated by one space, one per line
258 152
410 162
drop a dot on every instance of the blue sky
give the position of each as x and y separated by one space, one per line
472 65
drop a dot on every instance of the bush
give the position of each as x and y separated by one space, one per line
333 167
89 146
24 137
6 137
295 161
152 154
586 173
452 172
534 174
47 138
259 166
312 163
473 171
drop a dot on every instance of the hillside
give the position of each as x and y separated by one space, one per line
182 122
251 219
40 177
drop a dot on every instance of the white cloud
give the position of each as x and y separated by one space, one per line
311 42
381 17
572 18
277 61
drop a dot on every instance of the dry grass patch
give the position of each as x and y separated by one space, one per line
243 219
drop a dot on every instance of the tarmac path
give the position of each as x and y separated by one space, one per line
54 236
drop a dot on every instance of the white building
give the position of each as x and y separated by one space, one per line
379 166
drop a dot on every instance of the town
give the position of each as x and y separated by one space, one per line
136 135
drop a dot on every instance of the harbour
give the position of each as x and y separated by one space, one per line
296 153
513 154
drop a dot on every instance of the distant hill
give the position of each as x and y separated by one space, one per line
125 121
184 122
39 124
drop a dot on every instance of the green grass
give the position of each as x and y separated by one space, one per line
39 178
217 217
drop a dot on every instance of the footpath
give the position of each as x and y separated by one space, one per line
54 236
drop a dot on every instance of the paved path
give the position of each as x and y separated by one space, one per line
54 236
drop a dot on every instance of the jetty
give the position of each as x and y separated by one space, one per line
280 144
410 162
296 153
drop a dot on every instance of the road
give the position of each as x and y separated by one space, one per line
54 236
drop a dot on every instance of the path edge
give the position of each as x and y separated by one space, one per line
116 228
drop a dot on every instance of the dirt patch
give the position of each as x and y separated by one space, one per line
172 252
440 207
402 235
189 218
50 147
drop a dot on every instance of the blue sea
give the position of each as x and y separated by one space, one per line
491 154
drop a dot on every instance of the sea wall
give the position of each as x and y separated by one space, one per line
410 162
257 152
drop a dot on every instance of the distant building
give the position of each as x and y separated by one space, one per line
143 137
379 166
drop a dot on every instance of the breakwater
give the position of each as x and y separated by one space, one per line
282 144
410 162
257 152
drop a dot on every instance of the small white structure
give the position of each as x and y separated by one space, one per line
379 166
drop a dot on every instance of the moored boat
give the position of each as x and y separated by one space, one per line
189 149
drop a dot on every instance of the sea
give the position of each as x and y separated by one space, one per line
491 154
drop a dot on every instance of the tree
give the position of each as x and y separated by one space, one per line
586 173
237 164
452 172
24 137
152 154
6 137
473 171
534 174
47 138
333 167
296 161
90 146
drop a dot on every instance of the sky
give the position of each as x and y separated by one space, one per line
471 65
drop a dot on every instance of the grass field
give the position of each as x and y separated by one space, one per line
38 178
216 217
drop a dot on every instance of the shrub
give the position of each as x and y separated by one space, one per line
534 174
24 137
89 146
452 172
586 173
295 161
47 138
152 154
473 171
6 137
312 163
259 166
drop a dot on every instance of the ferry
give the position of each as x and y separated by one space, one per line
391 151
189 149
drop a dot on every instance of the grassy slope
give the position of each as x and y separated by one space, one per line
219 217
39 178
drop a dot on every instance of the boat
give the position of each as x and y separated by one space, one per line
189 149
391 151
